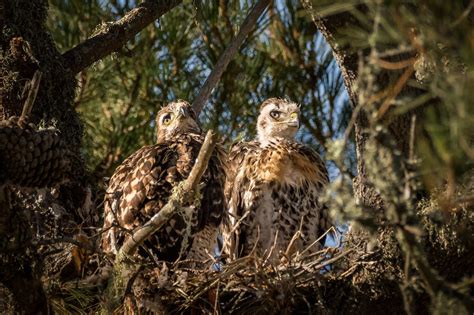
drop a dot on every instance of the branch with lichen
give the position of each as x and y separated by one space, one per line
400 207
183 193
114 35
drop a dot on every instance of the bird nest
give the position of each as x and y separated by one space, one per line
246 285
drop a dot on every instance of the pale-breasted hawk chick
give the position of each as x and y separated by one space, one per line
273 188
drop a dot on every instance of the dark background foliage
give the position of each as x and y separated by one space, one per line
285 56
406 67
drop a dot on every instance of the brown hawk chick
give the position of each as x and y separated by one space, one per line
142 184
273 188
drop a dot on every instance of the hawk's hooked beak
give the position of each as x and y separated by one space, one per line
294 120
182 112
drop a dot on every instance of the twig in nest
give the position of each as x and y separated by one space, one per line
334 259
30 100
295 237
331 229
270 253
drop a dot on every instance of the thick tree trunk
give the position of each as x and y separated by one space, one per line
382 286
348 60
32 221
26 47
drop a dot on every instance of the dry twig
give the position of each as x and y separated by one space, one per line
30 100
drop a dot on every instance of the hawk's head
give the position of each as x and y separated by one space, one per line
174 119
278 118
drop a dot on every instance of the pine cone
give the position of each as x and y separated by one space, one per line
30 157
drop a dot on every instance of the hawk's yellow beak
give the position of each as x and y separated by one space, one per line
294 120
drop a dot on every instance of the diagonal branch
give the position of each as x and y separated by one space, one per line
228 55
124 272
112 37
183 193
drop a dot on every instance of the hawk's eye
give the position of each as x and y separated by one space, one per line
275 114
166 120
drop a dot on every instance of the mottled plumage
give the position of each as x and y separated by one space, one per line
273 188
142 184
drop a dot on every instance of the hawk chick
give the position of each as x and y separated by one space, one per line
142 184
273 188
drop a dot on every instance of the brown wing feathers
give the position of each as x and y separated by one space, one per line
142 186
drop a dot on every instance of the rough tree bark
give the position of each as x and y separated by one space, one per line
116 34
332 27
387 272
25 47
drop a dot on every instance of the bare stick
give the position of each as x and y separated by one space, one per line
112 37
228 55
182 194
30 100
334 259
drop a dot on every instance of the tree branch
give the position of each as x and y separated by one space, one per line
330 26
114 35
182 194
228 55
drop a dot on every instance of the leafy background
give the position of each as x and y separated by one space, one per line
119 96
